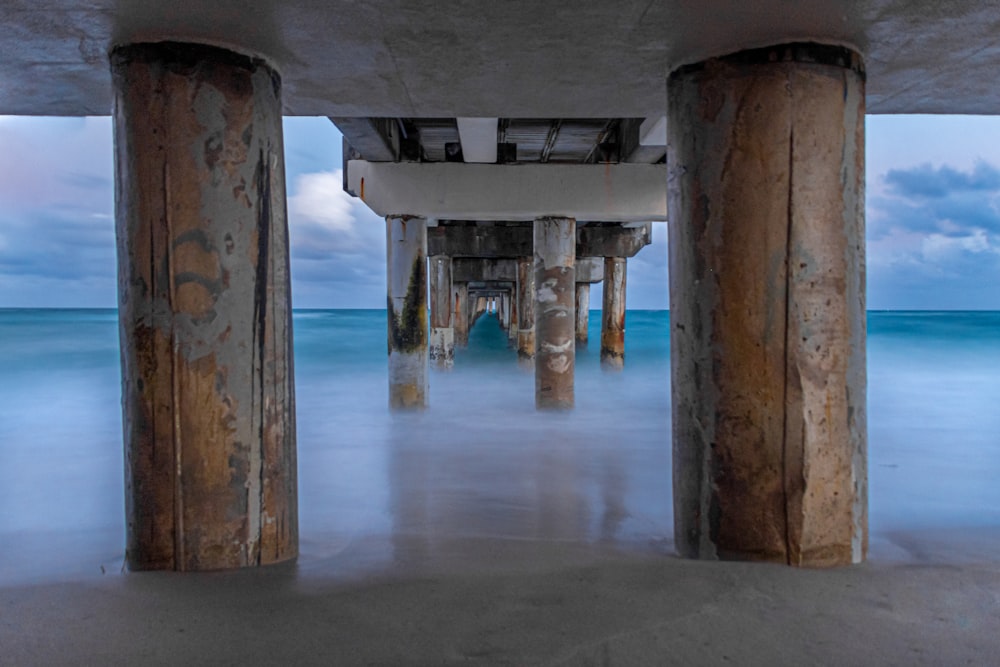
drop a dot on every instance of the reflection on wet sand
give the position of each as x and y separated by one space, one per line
451 484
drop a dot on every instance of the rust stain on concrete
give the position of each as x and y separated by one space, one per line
767 306
204 309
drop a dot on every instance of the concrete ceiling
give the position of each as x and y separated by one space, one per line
515 59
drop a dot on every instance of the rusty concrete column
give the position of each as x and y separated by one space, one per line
482 306
406 263
766 174
510 315
555 283
582 312
526 312
613 314
512 324
204 309
460 313
442 345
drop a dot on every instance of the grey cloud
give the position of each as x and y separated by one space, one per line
926 181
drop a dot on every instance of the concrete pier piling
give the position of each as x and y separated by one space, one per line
613 314
766 159
442 343
503 312
204 309
480 309
555 293
406 262
582 312
460 313
512 324
526 312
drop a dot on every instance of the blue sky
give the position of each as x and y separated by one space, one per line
933 216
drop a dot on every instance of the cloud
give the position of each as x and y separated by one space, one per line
319 199
927 182
70 247
934 237
941 248
325 221
337 244
940 200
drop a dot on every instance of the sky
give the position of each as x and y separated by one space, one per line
932 211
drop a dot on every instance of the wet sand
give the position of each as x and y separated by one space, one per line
420 549
922 599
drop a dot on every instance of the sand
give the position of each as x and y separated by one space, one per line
923 598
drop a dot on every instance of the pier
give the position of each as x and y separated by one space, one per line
518 154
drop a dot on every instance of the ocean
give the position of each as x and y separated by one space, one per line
377 488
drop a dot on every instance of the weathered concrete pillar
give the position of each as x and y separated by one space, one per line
406 262
442 346
503 313
766 164
582 312
555 283
481 306
526 311
204 309
512 325
460 314
613 314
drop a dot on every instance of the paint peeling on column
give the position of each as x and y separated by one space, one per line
554 307
211 298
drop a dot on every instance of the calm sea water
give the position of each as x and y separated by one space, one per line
480 461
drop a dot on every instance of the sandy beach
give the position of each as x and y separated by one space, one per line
922 599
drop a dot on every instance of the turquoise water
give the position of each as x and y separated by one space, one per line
480 460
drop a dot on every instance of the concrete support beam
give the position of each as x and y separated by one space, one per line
204 309
589 270
406 269
582 312
477 269
644 139
526 311
613 314
490 287
555 283
442 345
480 241
490 240
768 319
375 139
460 313
457 191
612 240
479 139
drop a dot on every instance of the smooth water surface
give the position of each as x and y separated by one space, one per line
378 489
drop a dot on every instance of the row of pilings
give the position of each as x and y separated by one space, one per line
765 190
